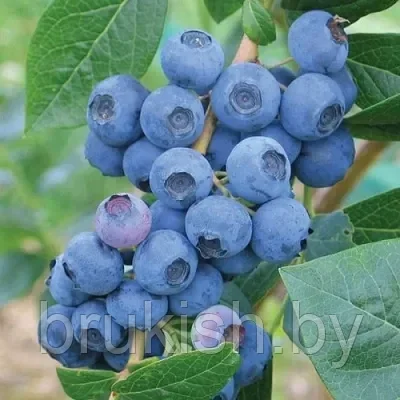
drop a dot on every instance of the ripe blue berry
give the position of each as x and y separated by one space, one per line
221 145
228 391
204 291
93 266
346 83
137 162
118 358
325 162
132 306
114 110
283 75
312 117
246 97
255 352
259 169
123 220
61 287
280 230
214 326
94 328
240 264
181 176
155 344
165 263
218 227
57 338
193 60
105 158
172 117
164 217
318 42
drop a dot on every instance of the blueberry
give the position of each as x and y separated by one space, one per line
325 162
55 333
165 263
246 97
228 391
318 42
164 217
118 358
172 117
290 144
94 267
255 352
258 169
105 158
204 291
193 59
94 328
180 176
219 227
283 75
346 83
137 162
221 145
312 117
280 230
123 220
214 326
155 344
240 264
131 306
62 288
114 110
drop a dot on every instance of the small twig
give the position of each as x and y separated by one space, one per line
331 199
221 187
277 320
283 87
204 97
283 62
221 174
225 180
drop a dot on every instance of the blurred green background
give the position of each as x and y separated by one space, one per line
48 192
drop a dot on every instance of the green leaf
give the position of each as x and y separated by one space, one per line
231 295
261 390
222 9
259 282
350 9
78 43
332 234
258 23
353 299
382 133
377 218
196 375
18 272
144 363
291 325
86 384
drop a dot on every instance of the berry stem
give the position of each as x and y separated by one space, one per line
283 62
224 180
283 87
221 174
248 51
218 184
308 200
277 320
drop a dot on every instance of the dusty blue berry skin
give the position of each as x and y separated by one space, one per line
61 287
94 267
164 217
221 145
204 291
132 306
107 159
312 117
255 352
318 42
246 97
117 359
218 227
280 230
154 345
259 169
347 85
94 327
137 162
172 117
193 60
53 334
114 110
242 263
290 144
228 391
283 75
181 176
165 263
325 162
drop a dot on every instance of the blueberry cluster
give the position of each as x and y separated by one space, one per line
216 216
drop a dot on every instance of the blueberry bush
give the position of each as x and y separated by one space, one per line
238 169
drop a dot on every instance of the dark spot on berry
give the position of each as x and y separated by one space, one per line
102 108
47 282
336 26
181 121
346 232
330 119
52 263
274 164
310 231
303 244
196 39
177 272
70 274
210 248
245 98
180 185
